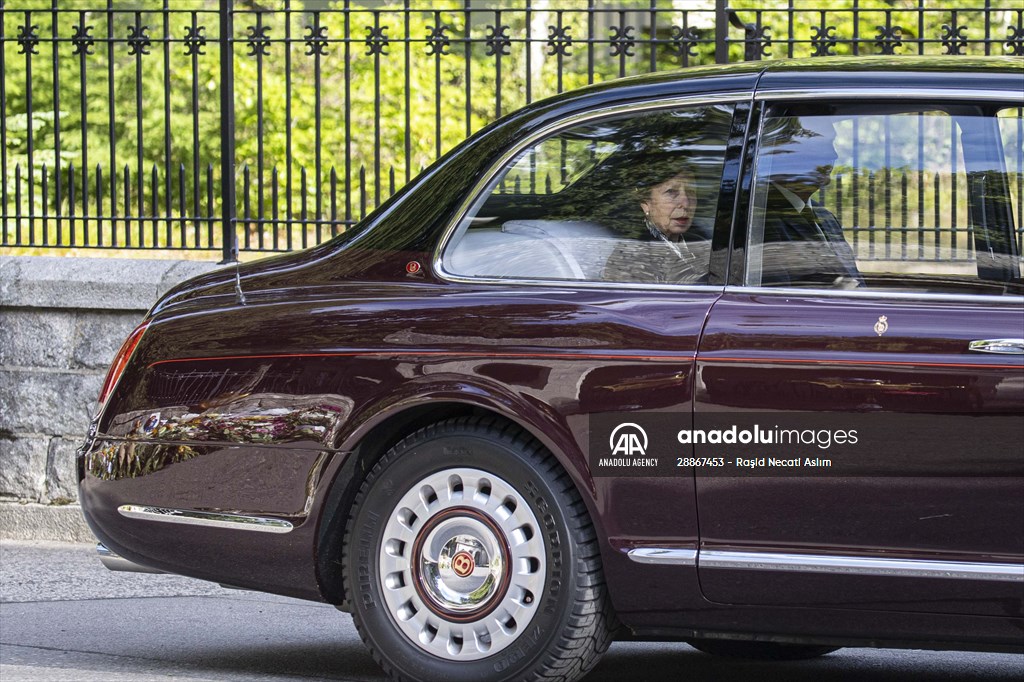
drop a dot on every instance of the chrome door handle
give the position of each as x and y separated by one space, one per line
1003 346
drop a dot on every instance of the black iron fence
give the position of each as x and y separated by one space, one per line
270 125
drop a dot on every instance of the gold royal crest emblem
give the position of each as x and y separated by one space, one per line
882 325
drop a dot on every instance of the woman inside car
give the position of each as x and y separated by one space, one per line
663 250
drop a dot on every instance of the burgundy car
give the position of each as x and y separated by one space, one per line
731 355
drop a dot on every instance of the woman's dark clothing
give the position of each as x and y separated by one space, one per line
657 260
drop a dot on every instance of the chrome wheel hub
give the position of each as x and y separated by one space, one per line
462 564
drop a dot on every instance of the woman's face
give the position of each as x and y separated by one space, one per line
671 204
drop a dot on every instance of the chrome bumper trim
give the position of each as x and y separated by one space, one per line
116 562
664 556
813 563
209 519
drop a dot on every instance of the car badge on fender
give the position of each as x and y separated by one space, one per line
882 326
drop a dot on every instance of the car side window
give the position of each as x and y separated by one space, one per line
887 198
624 199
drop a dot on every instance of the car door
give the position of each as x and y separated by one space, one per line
869 351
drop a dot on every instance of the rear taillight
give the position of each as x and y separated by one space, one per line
121 361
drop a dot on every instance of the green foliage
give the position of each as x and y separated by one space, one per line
17 143
394 110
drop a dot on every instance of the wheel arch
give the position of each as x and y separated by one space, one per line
372 440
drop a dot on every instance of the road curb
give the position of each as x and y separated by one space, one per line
52 523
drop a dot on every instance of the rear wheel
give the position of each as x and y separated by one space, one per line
470 556
760 651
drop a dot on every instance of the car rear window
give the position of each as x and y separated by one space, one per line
630 198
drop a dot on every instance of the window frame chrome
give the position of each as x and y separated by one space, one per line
755 97
910 94
484 184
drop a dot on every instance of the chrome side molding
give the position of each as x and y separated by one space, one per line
815 563
663 555
821 563
116 562
210 519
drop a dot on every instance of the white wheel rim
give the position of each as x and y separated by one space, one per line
462 564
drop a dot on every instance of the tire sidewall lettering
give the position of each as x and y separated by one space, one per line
554 546
367 548
519 651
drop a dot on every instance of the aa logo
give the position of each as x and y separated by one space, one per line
629 440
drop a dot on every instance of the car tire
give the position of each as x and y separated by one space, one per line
760 651
469 555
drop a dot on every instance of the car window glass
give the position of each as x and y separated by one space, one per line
550 167
624 199
899 200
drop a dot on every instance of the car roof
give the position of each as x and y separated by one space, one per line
934 71
941 71
814 66
934 63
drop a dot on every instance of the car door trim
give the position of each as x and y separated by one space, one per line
876 94
806 292
774 360
852 565
663 555
835 564
192 517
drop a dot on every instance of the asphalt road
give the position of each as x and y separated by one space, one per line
64 617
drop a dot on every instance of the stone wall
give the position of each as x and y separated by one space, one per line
61 321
